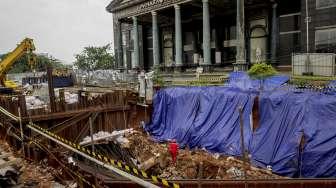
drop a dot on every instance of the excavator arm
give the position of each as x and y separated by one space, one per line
25 47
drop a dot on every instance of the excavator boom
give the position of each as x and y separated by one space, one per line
25 47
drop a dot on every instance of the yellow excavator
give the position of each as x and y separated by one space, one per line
25 47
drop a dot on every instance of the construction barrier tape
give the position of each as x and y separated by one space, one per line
119 164
76 174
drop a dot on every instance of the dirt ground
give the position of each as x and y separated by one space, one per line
199 164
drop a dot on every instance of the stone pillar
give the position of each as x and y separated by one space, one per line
240 64
178 37
120 58
274 41
136 50
156 46
206 33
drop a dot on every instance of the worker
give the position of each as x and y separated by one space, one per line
173 149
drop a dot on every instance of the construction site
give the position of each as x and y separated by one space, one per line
172 117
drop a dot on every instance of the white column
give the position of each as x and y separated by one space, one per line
136 50
206 33
274 33
178 36
240 57
119 45
156 46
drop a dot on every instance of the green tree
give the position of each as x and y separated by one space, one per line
21 65
261 71
95 58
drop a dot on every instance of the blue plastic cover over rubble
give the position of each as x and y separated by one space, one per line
202 117
332 83
285 117
243 81
276 142
319 154
207 117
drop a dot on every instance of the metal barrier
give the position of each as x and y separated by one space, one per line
320 64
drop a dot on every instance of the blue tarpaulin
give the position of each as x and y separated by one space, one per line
208 117
332 83
243 81
202 117
276 142
319 154
285 117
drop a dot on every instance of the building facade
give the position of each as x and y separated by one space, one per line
181 34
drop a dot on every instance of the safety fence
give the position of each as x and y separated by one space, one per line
318 64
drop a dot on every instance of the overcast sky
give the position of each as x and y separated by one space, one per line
59 27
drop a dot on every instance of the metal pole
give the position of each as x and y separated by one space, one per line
307 25
93 149
21 130
242 140
105 165
307 38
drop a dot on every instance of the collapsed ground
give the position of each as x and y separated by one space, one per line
15 171
155 158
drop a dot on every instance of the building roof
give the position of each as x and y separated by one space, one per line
116 5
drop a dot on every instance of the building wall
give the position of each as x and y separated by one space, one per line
291 34
322 28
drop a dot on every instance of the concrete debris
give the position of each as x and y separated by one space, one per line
34 102
191 164
16 172
117 136
70 98
99 77
235 173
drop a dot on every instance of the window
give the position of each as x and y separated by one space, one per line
325 4
325 36
325 40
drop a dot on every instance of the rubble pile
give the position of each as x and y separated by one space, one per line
118 136
196 164
34 102
70 98
17 172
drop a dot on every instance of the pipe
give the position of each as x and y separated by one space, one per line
116 170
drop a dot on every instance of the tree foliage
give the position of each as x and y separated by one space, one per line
261 71
21 65
95 58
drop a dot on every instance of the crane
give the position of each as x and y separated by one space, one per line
25 47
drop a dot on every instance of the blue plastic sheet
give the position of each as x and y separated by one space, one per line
202 117
276 142
285 117
208 117
319 154
243 81
332 83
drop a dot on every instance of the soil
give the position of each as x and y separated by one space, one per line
191 164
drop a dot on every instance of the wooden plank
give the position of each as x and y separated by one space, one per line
60 115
